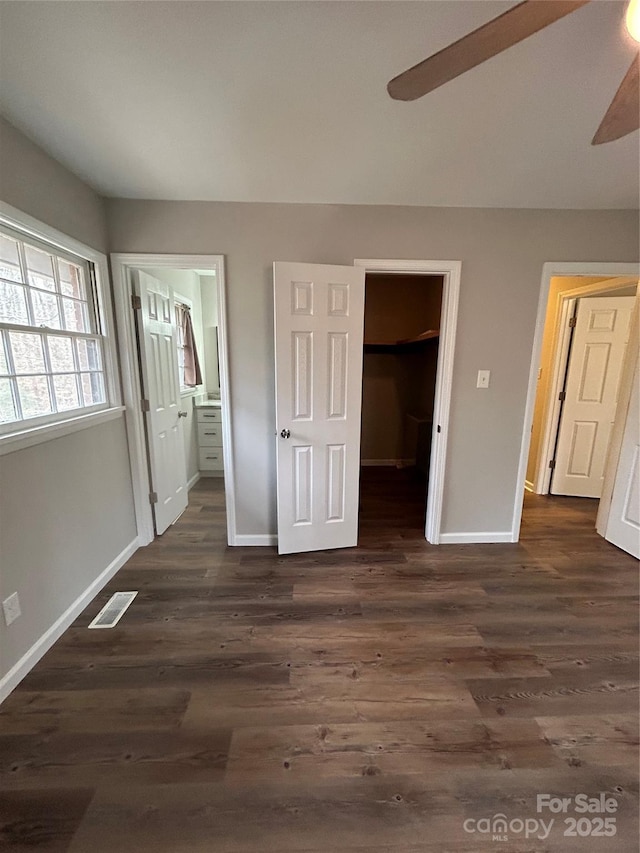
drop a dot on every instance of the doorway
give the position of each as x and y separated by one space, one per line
318 330
402 321
563 363
449 272
195 288
563 286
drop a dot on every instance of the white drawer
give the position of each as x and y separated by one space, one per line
210 435
208 416
210 459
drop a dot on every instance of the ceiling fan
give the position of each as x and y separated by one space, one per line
514 25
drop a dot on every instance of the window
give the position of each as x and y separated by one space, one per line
180 325
51 342
188 362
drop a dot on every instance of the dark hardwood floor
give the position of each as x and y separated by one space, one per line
370 700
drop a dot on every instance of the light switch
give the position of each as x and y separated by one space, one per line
11 607
483 378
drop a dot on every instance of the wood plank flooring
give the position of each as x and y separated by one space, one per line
363 701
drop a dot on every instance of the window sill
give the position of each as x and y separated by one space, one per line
47 432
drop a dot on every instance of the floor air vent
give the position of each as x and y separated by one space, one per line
113 610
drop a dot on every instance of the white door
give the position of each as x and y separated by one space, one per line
597 352
159 360
319 320
623 526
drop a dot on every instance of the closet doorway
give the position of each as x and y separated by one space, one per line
402 322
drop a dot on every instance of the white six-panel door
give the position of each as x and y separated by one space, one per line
159 360
593 378
319 319
623 526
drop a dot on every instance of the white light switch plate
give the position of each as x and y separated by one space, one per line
483 378
11 607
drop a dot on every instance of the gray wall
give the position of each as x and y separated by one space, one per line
66 508
37 184
76 492
502 253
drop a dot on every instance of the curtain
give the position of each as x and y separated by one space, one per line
192 373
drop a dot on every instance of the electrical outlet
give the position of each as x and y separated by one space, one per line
11 607
483 378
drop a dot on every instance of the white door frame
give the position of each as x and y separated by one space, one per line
121 264
550 270
450 271
560 357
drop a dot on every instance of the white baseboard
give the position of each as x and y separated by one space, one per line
26 663
191 483
257 540
477 538
529 486
387 463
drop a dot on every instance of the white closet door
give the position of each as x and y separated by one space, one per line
319 321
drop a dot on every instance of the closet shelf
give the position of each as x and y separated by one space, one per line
429 335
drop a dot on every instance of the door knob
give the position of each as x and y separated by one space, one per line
182 414
286 433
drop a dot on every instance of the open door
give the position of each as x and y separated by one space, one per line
159 362
319 319
591 393
619 513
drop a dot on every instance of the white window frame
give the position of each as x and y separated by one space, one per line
34 431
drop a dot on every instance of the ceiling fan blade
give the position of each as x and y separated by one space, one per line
497 35
623 115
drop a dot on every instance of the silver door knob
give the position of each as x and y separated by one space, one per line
285 433
182 414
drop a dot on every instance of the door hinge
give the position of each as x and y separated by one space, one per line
562 396
153 497
552 464
136 302
572 322
145 405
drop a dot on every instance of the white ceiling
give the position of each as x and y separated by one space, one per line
286 101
